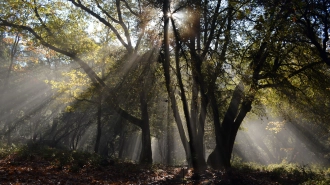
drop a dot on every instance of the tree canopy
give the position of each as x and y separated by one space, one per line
115 67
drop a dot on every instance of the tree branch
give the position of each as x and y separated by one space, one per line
90 72
129 8
123 25
102 20
304 68
39 18
105 12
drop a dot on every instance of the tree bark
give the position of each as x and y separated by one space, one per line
99 128
226 132
170 90
146 152
13 52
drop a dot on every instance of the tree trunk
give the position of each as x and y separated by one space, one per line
8 135
221 155
245 108
197 155
169 135
259 141
226 133
170 90
146 152
193 125
122 144
13 52
99 127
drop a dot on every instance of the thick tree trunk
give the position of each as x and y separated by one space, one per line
217 159
245 108
225 133
197 155
221 156
146 152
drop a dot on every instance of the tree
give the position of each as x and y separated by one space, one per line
218 63
56 33
312 19
261 55
13 53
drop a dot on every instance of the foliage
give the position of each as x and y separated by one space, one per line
286 173
217 61
5 150
61 158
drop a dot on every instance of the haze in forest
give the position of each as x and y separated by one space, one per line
181 83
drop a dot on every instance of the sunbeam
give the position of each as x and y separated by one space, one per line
164 92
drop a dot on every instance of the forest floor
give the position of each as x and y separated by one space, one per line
29 168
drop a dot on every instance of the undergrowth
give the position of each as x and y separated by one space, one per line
308 174
75 161
59 157
7 150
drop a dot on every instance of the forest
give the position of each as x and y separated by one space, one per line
164 92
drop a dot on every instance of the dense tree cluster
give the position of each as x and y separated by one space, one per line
103 76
